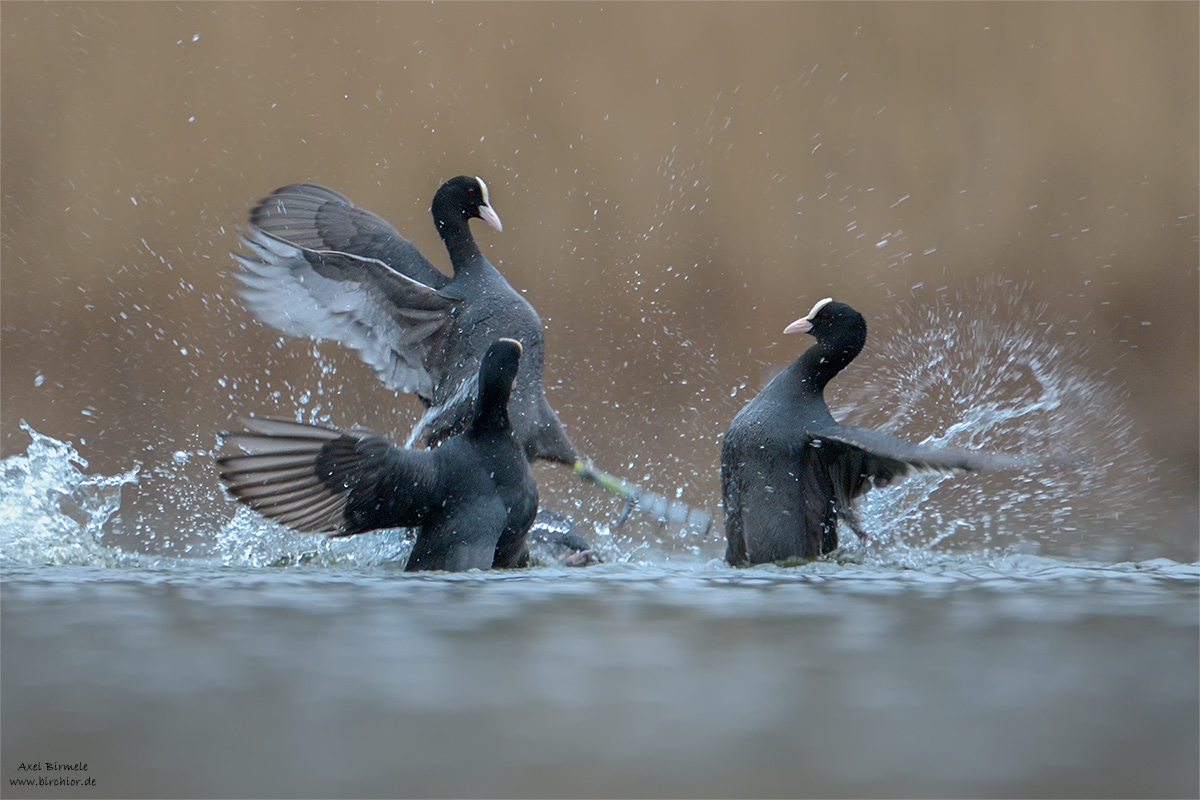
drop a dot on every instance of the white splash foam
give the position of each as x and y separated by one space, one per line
980 372
51 512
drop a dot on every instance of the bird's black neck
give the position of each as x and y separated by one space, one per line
491 407
829 356
453 227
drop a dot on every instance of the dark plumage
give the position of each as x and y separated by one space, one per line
553 539
789 471
471 500
320 267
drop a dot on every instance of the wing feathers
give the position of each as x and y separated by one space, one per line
393 320
277 476
317 479
894 457
318 218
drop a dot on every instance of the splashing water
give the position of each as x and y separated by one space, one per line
249 540
1002 378
997 381
51 512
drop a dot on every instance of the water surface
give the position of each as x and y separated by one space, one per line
884 671
1026 676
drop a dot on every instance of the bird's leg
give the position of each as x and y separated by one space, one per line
626 510
850 517
662 509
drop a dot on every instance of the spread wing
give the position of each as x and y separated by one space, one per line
884 458
317 479
317 218
842 462
394 321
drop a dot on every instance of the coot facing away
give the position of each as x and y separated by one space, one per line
790 472
471 500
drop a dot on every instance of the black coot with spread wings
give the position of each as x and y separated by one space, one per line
789 471
472 500
320 267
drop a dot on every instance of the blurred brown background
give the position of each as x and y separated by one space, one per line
677 183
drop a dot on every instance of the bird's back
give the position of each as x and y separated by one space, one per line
496 311
488 510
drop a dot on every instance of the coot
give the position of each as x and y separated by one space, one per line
320 267
789 471
471 500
